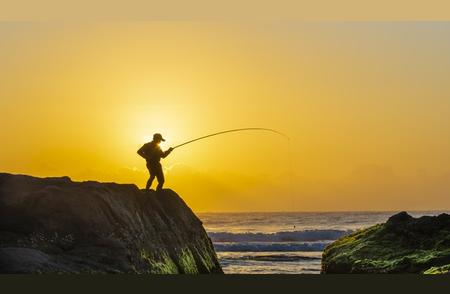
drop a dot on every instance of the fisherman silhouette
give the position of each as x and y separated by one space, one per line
152 153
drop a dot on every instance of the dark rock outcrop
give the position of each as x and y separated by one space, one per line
402 245
56 225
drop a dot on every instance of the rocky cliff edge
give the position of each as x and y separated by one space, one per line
55 225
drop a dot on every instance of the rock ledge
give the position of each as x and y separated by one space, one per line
50 225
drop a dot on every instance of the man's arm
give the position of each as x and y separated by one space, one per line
141 152
167 152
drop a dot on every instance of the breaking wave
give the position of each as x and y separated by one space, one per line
270 247
285 236
274 258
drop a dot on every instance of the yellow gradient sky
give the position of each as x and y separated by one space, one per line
367 107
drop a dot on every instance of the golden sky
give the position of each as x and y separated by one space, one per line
366 104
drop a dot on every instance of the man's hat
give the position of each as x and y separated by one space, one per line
158 136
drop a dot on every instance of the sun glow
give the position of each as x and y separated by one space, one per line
81 100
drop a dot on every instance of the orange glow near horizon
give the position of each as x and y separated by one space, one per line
365 104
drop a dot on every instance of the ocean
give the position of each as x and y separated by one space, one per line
282 242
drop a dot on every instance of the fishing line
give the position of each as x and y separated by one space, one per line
289 151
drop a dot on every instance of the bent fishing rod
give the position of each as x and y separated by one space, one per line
230 131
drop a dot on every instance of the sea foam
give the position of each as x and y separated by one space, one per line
270 247
285 236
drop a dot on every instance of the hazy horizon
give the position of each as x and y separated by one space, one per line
366 105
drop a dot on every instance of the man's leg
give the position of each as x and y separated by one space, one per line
160 177
150 180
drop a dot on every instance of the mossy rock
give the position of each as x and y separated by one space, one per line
402 245
445 269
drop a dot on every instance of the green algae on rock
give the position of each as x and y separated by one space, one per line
402 245
445 269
